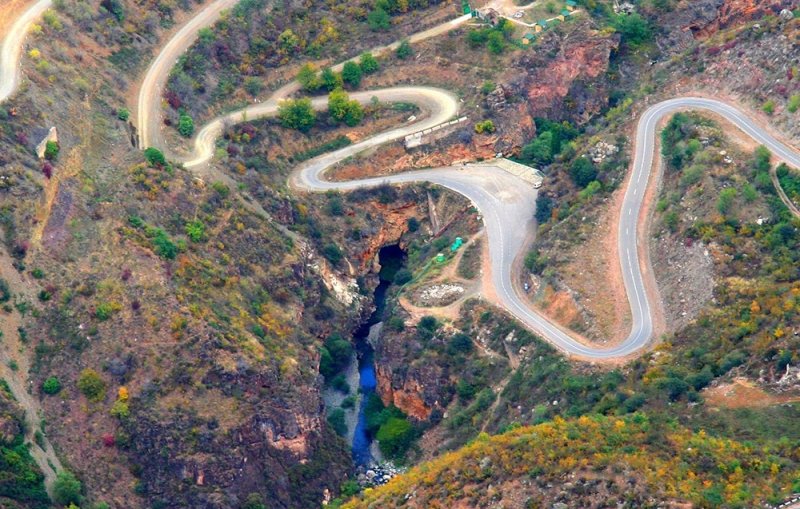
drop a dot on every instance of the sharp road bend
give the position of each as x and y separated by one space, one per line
506 202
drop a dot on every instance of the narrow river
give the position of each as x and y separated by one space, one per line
391 259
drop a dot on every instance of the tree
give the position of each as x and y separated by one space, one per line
288 41
307 77
487 126
496 43
91 385
368 63
351 74
395 437
254 501
51 386
185 125
66 489
725 200
331 80
51 149
123 114
540 149
337 104
403 50
769 107
633 28
154 157
582 171
297 114
378 19
337 422
253 86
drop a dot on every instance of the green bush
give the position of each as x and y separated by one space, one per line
123 114
332 253
725 200
335 355
394 437
5 291
196 230
342 109
634 29
51 386
67 489
582 172
308 79
330 80
368 63
769 107
91 385
154 157
486 126
404 50
185 125
378 19
337 422
351 74
297 114
794 103
51 150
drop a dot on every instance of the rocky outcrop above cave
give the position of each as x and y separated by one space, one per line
564 78
699 19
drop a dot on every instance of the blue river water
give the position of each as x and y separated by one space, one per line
391 260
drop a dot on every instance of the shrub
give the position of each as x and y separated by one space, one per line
342 109
103 311
487 126
254 501
307 77
297 114
330 80
726 200
5 292
154 157
253 86
37 273
51 150
769 107
634 29
794 103
66 489
123 114
496 43
460 343
413 224
335 354
378 19
196 230
332 253
120 410
404 50
91 385
395 437
351 74
337 422
368 63
185 125
582 171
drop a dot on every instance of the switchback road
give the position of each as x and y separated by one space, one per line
12 44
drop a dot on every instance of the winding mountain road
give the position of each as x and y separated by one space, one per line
506 202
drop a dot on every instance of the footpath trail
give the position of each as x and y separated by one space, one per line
14 350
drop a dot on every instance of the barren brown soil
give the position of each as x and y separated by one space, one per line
9 12
744 393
